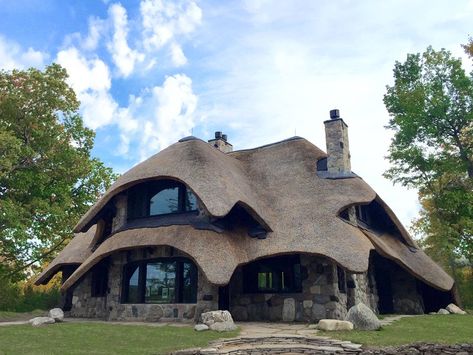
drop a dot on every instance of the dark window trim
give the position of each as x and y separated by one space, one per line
99 279
141 264
342 280
150 188
251 271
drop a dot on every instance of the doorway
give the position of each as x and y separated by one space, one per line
224 298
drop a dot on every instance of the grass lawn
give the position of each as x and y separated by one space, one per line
444 329
98 338
14 316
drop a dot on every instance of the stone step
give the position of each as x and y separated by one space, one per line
264 345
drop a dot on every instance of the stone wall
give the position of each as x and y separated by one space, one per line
86 306
361 288
320 297
111 308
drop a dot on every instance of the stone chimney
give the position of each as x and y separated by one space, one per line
338 149
220 142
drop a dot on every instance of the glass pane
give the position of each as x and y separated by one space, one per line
261 280
165 201
189 283
190 201
160 282
133 292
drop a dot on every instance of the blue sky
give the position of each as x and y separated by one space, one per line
149 72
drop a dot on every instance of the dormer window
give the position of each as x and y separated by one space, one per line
158 198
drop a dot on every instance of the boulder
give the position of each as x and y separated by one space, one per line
363 318
212 317
227 326
57 314
453 308
289 310
334 324
443 311
37 321
200 327
221 321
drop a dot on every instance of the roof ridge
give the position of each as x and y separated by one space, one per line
290 139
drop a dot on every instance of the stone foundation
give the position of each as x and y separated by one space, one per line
111 308
321 296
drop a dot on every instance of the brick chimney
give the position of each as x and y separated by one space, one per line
220 142
338 149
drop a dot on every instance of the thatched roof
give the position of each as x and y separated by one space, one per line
279 186
75 253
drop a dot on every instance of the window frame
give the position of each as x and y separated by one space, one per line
142 271
141 194
99 279
277 267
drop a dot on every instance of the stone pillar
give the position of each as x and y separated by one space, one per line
121 213
338 149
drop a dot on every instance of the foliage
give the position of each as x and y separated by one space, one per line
431 109
440 329
68 338
23 296
48 178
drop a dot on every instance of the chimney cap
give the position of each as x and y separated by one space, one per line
224 137
218 134
334 114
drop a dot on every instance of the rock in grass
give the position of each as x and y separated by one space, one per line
334 324
443 311
57 314
453 308
200 327
223 326
211 317
363 318
38 321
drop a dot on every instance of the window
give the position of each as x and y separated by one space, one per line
342 283
99 282
362 213
160 198
169 280
280 274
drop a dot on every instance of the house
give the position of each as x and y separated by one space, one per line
282 232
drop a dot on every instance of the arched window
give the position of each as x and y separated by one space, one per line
157 198
165 280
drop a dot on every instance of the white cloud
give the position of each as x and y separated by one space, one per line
123 56
162 21
288 63
177 55
158 117
90 79
13 56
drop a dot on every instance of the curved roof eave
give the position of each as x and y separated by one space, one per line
217 179
74 253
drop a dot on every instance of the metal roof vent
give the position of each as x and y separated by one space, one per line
334 114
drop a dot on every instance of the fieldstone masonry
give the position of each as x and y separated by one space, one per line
111 308
320 297
338 150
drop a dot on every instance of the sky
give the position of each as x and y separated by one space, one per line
149 72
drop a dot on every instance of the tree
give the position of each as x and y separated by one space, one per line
48 177
431 114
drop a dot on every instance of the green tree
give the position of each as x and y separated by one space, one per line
431 114
48 177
